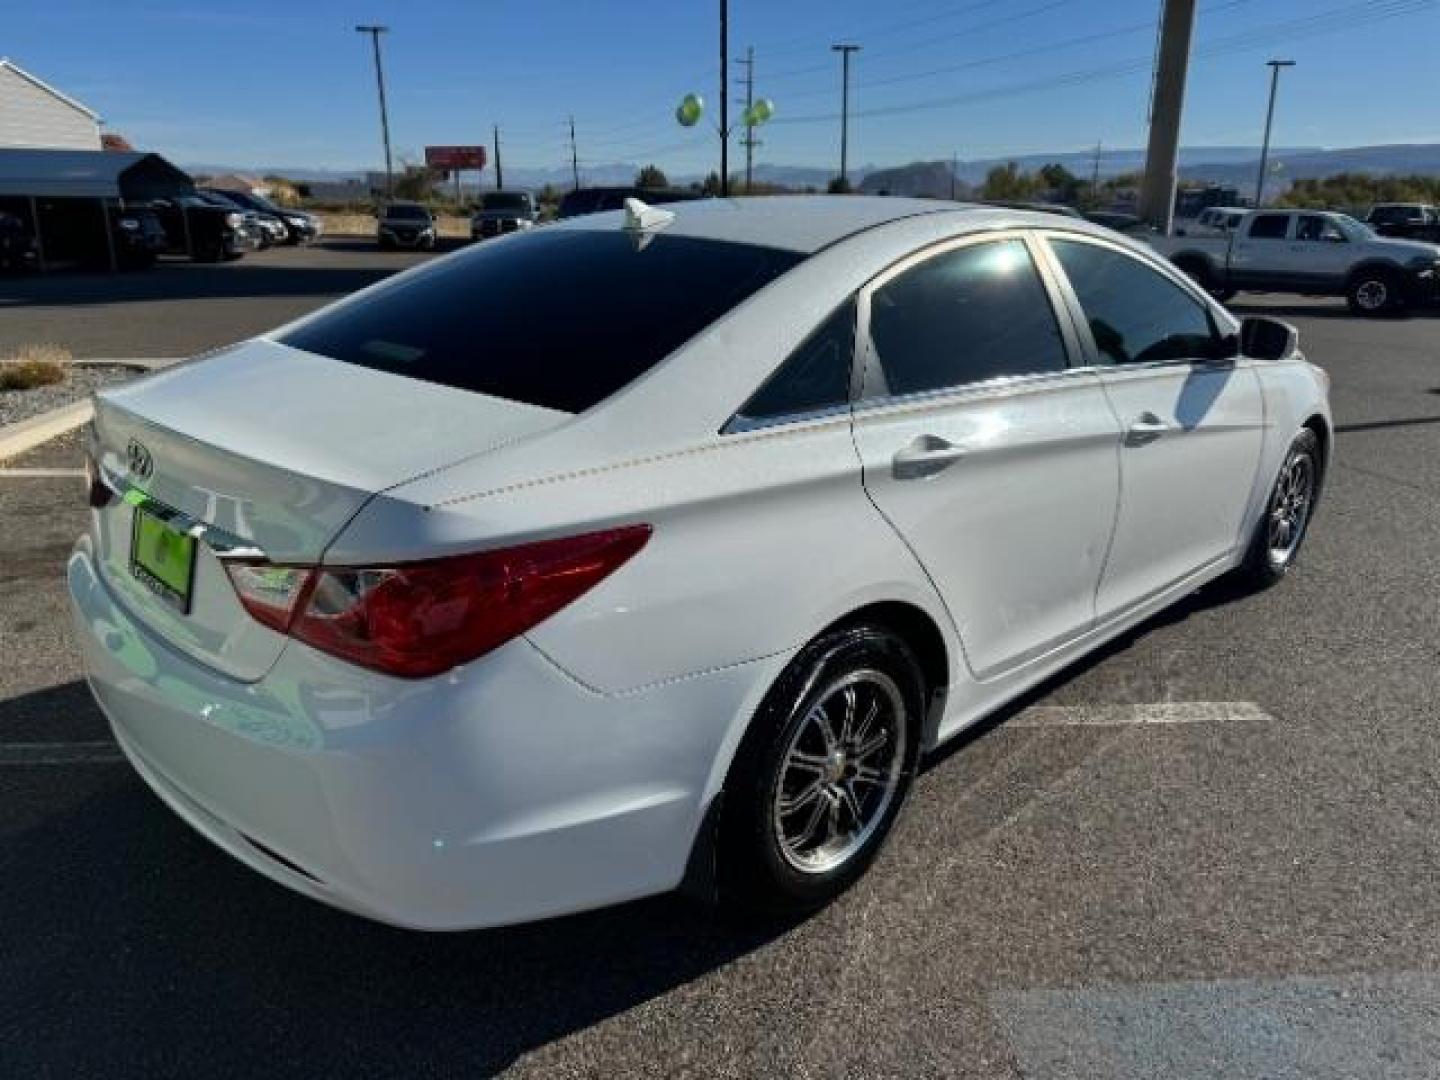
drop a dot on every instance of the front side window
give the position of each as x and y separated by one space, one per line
1269 226
815 377
965 316
560 318
1135 313
1315 227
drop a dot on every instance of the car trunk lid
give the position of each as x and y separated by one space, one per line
267 451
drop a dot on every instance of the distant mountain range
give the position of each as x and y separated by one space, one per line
1214 164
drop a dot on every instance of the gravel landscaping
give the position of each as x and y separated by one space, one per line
80 382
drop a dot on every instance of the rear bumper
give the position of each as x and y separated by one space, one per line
499 793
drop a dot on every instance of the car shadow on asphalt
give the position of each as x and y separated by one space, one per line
133 947
179 281
132 940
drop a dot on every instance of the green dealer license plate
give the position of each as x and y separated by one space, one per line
162 558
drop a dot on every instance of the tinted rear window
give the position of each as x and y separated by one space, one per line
556 318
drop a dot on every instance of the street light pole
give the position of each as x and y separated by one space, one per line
724 99
1275 66
375 32
844 51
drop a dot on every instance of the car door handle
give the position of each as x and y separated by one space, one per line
1145 428
925 456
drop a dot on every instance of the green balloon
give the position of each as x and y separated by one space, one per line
759 112
690 109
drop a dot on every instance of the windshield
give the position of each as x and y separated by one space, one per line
407 213
558 318
505 200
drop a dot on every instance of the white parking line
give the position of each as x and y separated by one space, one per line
42 474
67 753
1165 712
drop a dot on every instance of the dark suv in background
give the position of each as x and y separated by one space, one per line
406 224
300 227
17 246
204 231
503 212
1409 221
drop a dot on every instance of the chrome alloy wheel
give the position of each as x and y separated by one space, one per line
1373 295
840 772
1290 508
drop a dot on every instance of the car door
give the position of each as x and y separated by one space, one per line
992 458
1321 252
1191 422
1260 255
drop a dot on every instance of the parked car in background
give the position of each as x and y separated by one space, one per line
17 246
660 549
301 227
504 212
203 230
596 199
1310 251
260 230
406 224
1213 221
1128 224
139 237
1410 221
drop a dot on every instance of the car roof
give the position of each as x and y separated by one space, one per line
807 223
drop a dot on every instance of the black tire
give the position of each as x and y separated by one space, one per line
1375 291
1268 560
755 869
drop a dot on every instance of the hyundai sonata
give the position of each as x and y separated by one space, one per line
655 548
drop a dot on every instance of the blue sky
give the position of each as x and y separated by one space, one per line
252 82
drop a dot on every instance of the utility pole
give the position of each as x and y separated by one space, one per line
1095 175
499 173
574 156
954 169
844 51
1157 193
375 32
749 142
1275 66
724 98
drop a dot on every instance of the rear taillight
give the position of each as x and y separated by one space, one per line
423 618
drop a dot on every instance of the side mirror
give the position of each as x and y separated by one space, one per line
1268 339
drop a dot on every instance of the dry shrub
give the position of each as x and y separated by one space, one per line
32 366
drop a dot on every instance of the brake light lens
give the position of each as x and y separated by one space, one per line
271 594
420 619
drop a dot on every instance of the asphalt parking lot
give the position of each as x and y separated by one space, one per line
1211 851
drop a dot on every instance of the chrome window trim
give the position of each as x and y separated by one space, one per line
1000 387
740 423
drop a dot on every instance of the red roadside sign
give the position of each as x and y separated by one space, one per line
451 158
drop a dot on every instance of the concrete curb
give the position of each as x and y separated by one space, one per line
16 439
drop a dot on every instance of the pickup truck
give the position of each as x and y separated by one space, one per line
1313 252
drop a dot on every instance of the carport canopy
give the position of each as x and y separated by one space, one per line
96 174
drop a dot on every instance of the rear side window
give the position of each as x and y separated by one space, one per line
558 318
815 377
1269 227
964 316
1136 314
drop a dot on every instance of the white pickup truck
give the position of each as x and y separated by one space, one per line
1313 252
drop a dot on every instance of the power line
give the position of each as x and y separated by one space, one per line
1308 26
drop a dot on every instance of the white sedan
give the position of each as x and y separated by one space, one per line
657 547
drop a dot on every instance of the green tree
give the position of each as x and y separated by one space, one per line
651 177
712 184
1008 182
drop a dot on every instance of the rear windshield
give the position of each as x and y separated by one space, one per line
556 318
